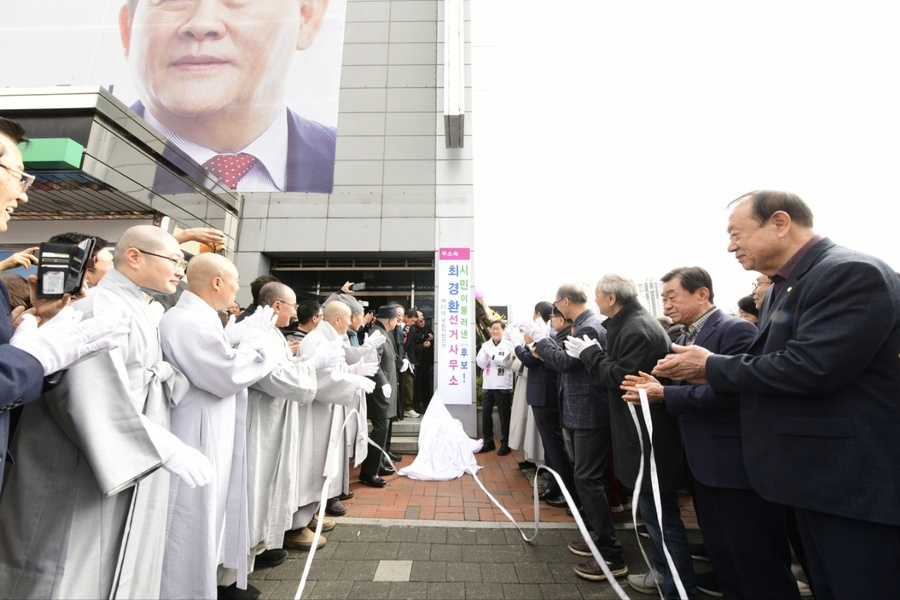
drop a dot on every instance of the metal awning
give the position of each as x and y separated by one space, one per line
127 169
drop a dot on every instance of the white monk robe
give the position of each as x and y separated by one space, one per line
273 451
322 446
211 418
273 445
84 508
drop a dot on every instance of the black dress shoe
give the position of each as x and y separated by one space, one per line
385 471
488 447
395 457
527 464
346 496
270 558
335 508
557 501
232 592
547 494
503 451
371 481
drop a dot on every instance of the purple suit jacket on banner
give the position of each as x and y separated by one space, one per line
310 159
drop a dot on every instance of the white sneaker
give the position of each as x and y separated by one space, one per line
646 583
411 414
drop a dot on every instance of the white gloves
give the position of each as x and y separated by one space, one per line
364 368
327 355
575 346
536 330
374 339
405 365
386 389
234 331
191 466
262 319
64 340
365 384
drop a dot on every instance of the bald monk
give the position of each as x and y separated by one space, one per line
211 418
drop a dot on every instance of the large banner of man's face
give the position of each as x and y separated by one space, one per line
247 88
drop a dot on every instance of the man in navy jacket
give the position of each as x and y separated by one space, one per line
820 393
746 536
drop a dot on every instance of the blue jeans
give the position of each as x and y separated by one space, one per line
676 542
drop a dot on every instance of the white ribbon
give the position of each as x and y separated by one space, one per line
654 482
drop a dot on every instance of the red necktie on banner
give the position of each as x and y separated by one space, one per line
230 168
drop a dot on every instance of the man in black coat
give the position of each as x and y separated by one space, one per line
636 342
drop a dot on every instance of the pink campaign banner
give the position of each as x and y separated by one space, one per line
453 254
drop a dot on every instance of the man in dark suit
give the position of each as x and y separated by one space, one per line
819 389
745 535
212 78
381 403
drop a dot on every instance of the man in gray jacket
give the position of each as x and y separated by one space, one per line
585 413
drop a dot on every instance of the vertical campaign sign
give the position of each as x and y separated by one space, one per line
455 321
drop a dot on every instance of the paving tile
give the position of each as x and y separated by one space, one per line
465 572
329 590
424 570
521 591
442 591
412 590
533 573
498 572
359 570
393 570
484 591
446 552
363 590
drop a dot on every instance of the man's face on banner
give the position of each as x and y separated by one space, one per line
198 57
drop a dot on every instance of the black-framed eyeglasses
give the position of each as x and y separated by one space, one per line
25 180
294 305
179 263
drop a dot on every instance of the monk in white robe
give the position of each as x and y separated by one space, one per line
323 449
273 431
363 360
84 508
211 418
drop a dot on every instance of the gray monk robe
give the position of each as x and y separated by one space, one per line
273 452
323 449
273 445
209 525
84 507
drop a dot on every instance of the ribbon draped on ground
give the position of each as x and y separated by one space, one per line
446 452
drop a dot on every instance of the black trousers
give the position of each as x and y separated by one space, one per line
503 400
379 435
591 447
849 558
555 455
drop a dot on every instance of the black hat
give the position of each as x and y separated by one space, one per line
388 311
